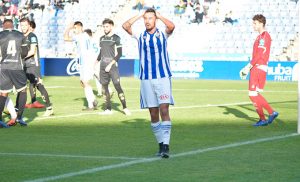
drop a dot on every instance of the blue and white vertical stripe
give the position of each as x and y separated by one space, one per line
84 48
154 59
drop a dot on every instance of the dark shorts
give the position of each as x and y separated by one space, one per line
33 74
10 78
113 74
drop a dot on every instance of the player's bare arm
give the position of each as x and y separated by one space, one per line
67 36
32 50
127 25
169 24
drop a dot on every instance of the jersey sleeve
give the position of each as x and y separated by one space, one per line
135 35
33 39
118 42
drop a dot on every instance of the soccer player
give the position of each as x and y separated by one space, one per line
12 49
155 74
33 70
108 58
258 68
96 51
86 61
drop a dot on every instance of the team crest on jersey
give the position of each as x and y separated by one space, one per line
261 42
33 39
157 34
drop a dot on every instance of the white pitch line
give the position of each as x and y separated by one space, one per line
68 156
147 160
142 110
194 90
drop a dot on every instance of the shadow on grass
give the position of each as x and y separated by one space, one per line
238 113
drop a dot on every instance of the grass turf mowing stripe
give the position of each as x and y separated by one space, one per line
68 156
141 110
194 90
147 160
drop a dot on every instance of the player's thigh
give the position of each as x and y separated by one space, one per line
104 77
253 79
114 74
6 85
163 90
262 76
86 75
148 98
19 80
33 74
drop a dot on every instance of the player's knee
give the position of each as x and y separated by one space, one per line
122 96
259 90
253 93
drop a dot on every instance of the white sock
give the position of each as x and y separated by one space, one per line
90 97
99 86
11 108
166 131
110 90
156 129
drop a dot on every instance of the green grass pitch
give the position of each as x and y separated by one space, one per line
212 137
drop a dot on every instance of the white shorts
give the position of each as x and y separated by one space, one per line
86 73
155 92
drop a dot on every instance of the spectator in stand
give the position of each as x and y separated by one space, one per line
13 9
229 18
198 13
139 5
1 21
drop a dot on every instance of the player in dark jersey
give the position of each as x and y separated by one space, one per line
108 65
32 69
12 49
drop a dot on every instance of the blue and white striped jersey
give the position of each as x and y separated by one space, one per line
154 58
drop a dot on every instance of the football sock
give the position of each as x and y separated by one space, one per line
265 104
258 107
157 131
106 97
166 131
90 97
11 108
22 97
99 86
122 99
2 105
44 94
32 92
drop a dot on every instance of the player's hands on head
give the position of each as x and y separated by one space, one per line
71 25
158 15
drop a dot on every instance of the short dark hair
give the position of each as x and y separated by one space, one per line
260 18
89 32
150 10
8 24
109 21
78 23
25 19
32 24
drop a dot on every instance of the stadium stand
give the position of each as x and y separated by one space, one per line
211 39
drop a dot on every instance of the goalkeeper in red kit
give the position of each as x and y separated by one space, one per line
258 68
